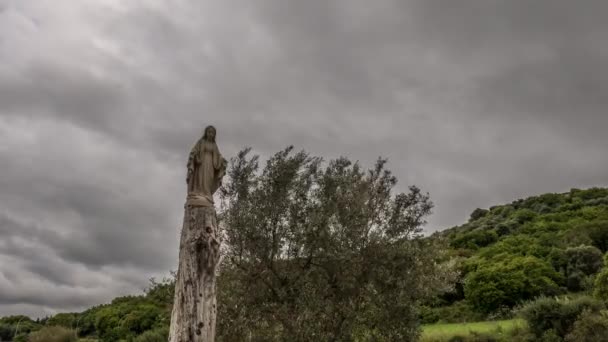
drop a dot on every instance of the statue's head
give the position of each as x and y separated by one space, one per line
209 134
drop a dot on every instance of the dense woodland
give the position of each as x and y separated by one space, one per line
547 245
332 253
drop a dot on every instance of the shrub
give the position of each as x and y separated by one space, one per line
525 215
598 232
21 337
546 314
478 213
601 285
156 335
574 281
66 320
6 332
475 239
53 334
428 315
590 327
503 229
458 312
515 280
551 336
581 262
586 259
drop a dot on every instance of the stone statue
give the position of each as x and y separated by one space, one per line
193 318
206 167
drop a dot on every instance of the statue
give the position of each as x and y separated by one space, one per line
206 167
193 318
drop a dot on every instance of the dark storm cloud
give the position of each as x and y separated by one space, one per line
478 102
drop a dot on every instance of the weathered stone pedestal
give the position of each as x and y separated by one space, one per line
194 308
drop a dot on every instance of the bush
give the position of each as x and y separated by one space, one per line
601 285
428 315
598 232
459 312
156 335
525 215
6 332
478 213
53 334
551 336
21 337
590 327
475 337
580 262
475 239
574 281
585 259
545 314
66 320
506 284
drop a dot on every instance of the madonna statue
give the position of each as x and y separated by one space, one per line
206 167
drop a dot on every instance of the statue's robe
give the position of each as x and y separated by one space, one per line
207 167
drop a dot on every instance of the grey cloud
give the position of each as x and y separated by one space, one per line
63 92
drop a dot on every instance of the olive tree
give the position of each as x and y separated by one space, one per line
324 251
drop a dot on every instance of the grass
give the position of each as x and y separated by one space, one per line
443 332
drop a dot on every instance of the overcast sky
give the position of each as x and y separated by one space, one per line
478 102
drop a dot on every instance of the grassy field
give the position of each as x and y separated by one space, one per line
443 332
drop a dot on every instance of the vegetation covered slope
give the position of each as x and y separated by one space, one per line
543 245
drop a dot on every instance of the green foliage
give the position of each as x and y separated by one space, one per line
581 262
563 231
586 259
545 314
513 245
551 335
16 319
14 327
128 317
162 292
20 337
503 331
601 285
590 327
510 282
6 332
458 312
478 213
326 253
66 320
598 233
156 335
53 334
524 215
475 239
124 319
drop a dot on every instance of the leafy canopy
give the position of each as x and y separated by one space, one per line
326 252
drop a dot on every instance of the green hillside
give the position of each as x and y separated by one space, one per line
549 245
143 318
